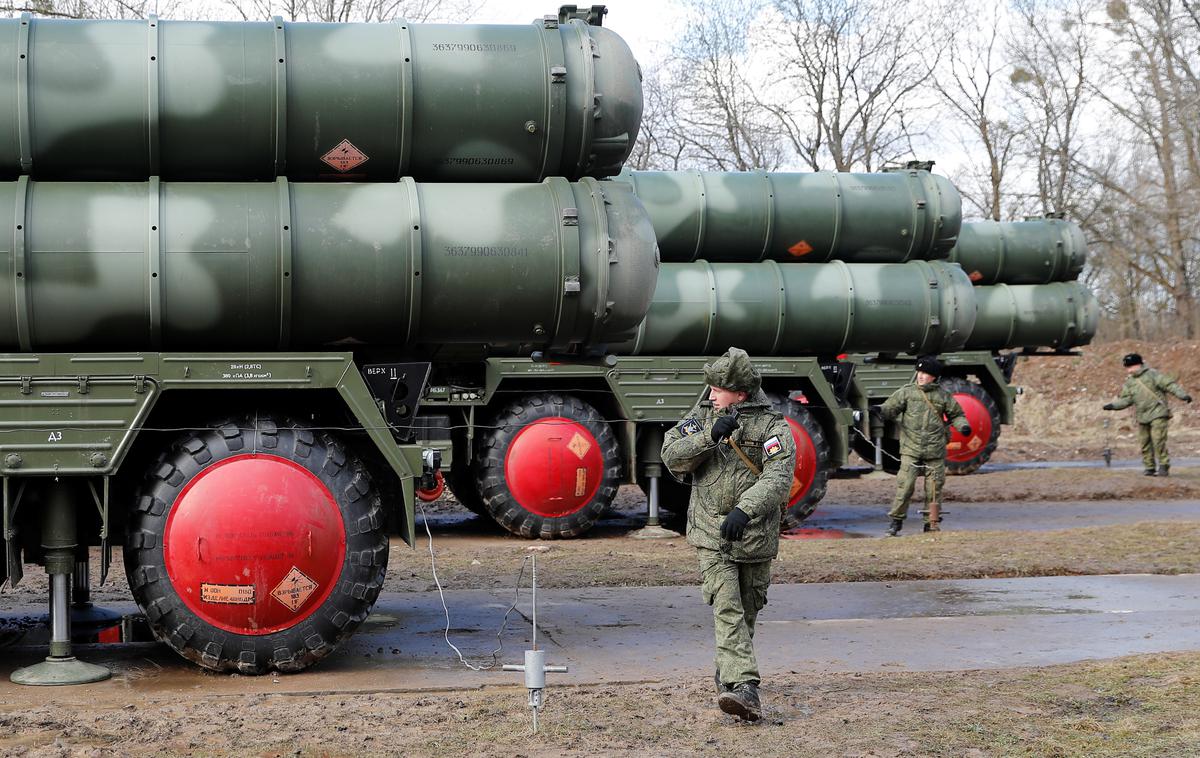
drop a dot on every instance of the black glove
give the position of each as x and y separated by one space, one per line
1186 398
966 431
734 525
1109 407
723 427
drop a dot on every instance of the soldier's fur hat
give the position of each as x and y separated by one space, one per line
929 364
1132 359
733 371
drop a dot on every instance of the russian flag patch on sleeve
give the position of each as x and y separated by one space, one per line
772 447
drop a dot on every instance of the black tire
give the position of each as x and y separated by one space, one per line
497 494
316 634
957 386
802 506
866 450
461 478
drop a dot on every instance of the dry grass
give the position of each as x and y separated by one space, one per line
1162 548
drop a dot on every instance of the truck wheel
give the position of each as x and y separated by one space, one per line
866 450
461 478
461 481
256 545
965 455
811 474
550 468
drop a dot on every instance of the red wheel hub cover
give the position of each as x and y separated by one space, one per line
553 467
254 544
806 463
962 448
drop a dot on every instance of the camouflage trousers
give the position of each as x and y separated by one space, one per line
934 471
736 592
1153 439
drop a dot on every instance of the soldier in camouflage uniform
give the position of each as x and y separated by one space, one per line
740 454
924 410
1146 390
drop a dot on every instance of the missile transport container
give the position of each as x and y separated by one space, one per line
188 100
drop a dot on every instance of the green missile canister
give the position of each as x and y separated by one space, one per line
275 265
743 217
1060 316
239 101
768 309
1034 251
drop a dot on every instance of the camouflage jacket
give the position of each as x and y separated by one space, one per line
721 481
1147 392
924 413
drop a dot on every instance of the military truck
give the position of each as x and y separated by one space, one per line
222 369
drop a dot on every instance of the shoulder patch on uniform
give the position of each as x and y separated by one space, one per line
689 426
772 447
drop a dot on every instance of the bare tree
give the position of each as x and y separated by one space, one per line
660 144
707 107
855 70
1156 93
92 8
971 83
1052 51
344 11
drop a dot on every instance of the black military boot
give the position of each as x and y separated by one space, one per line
1164 470
1148 472
742 701
894 529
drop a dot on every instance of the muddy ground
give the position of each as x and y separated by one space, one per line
1136 706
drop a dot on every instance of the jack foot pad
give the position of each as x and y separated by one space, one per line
654 533
59 671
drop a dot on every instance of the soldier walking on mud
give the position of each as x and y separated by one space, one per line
740 454
925 411
1146 390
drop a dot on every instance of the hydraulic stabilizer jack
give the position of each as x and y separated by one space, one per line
59 545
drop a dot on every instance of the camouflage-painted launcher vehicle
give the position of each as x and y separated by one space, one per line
227 376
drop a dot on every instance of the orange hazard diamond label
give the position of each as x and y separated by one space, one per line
579 445
800 249
974 444
345 156
294 589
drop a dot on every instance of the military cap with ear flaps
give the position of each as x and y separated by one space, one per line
733 371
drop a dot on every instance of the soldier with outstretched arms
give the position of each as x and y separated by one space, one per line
924 412
1146 390
740 454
